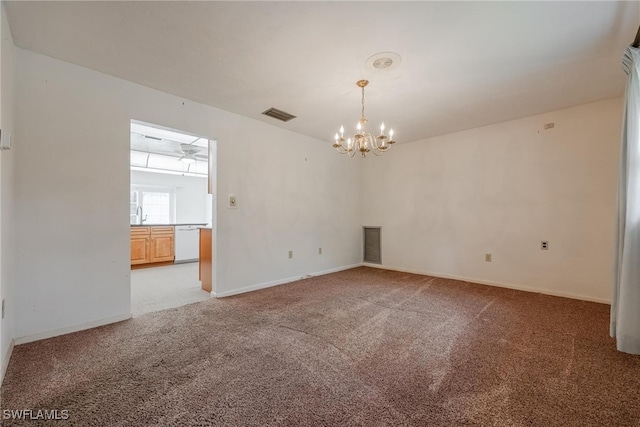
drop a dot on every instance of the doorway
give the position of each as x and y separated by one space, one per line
172 178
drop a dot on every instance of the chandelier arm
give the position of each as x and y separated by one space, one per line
377 143
374 142
341 149
377 152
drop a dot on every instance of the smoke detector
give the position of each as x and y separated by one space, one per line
383 61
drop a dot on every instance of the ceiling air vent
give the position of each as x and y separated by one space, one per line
278 114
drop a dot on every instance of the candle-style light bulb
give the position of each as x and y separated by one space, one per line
382 129
349 143
341 130
359 127
391 133
337 137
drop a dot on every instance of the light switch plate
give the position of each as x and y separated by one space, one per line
5 140
233 202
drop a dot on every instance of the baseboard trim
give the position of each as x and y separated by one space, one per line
71 329
186 261
492 283
264 285
5 360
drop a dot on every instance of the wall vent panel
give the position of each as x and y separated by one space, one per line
279 114
372 247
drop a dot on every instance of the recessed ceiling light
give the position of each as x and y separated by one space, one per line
383 61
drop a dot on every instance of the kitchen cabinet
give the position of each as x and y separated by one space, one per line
206 265
152 244
162 239
140 249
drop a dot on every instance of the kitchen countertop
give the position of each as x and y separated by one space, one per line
166 225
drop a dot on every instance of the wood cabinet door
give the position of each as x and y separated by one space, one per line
206 267
140 250
162 248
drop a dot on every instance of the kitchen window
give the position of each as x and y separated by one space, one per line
152 205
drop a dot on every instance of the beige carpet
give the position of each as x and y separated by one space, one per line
360 347
168 286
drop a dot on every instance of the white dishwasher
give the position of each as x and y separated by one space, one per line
187 243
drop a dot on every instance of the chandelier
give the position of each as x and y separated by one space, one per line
363 141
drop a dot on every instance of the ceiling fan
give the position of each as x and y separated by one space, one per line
188 153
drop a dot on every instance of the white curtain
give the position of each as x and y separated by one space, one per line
625 304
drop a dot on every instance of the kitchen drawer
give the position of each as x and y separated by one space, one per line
140 231
162 230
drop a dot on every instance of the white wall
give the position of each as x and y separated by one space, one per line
7 280
291 196
72 186
446 201
191 194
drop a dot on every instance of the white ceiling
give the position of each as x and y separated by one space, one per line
464 64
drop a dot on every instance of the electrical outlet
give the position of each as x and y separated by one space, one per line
233 202
544 245
319 251
290 254
487 257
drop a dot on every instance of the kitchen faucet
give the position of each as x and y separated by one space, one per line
141 220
